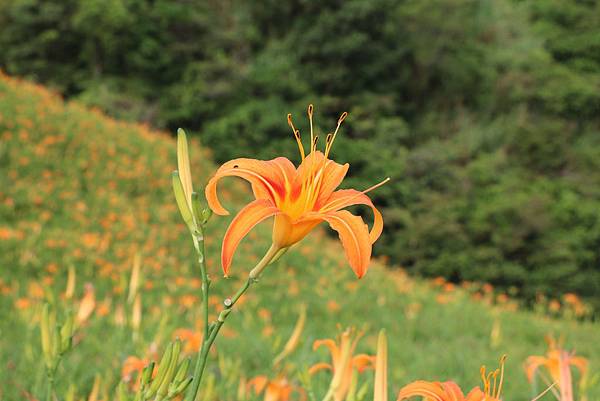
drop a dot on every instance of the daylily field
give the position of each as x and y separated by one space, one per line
89 227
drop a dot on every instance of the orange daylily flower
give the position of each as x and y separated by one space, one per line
299 199
192 339
343 361
279 389
557 363
87 305
450 391
133 366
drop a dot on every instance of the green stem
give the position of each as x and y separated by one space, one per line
211 336
50 386
198 238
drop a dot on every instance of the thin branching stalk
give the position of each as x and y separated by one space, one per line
211 331
198 238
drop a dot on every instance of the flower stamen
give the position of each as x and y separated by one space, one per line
296 135
310 119
337 128
499 390
489 387
333 204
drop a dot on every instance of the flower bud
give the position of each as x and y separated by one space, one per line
180 388
180 198
122 392
147 374
45 333
206 215
182 370
197 209
66 335
160 374
56 342
70 288
168 377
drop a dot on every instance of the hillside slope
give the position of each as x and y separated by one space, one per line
78 189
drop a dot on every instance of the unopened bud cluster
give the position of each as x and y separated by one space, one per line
194 214
56 340
171 378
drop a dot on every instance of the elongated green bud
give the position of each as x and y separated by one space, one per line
182 370
122 392
180 388
183 166
147 374
45 333
197 208
55 348
206 214
66 334
164 386
163 366
182 203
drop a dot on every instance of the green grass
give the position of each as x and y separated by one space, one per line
79 189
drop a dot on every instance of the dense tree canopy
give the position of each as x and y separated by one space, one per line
485 114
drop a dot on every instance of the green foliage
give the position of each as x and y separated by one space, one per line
111 207
484 113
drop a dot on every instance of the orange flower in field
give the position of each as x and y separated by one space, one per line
87 305
557 364
192 339
133 366
343 362
450 391
299 199
279 389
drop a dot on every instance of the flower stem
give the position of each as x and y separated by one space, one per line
211 335
50 386
198 238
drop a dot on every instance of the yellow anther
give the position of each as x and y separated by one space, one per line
290 123
484 379
339 122
502 361
299 142
296 135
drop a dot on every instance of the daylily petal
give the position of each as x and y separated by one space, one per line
476 395
331 345
286 232
354 235
362 362
431 390
349 197
259 383
532 365
329 172
319 366
246 219
454 393
270 179
580 363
